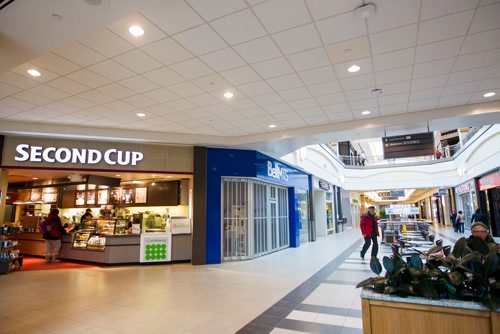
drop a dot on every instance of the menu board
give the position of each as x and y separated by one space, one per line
80 198
141 195
128 196
36 194
91 197
102 197
115 196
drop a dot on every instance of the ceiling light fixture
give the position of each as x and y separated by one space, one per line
353 68
365 11
366 112
34 178
489 94
33 72
228 95
136 31
141 114
272 126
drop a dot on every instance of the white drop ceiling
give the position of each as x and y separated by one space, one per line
284 60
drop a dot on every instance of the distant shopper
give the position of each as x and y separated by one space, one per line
460 222
369 229
52 233
438 154
453 220
86 216
480 217
362 158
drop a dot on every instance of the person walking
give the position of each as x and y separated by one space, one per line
479 217
52 233
453 220
369 229
460 222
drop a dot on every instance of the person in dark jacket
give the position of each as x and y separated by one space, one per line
86 216
369 229
453 220
54 231
480 217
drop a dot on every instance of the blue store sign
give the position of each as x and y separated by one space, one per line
277 172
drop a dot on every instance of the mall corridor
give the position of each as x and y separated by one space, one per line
310 289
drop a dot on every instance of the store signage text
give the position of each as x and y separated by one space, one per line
275 171
64 155
489 181
324 185
463 188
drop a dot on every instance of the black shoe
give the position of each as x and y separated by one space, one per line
362 256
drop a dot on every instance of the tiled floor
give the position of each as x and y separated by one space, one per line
309 289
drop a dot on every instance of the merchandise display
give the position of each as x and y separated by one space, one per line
10 258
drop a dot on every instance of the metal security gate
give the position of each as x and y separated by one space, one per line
256 227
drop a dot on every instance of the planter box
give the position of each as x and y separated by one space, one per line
384 314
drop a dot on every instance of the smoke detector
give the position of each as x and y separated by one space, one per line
365 11
377 92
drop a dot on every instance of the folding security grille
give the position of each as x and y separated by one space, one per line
257 227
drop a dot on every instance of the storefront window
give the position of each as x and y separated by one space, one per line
303 215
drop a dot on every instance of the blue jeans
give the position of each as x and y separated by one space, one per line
368 241
461 227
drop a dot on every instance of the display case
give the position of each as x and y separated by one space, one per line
154 224
83 235
112 227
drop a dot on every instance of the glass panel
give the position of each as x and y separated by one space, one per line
234 219
303 215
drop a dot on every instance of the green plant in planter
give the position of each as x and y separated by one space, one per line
464 274
382 214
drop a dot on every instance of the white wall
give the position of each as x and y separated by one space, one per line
320 212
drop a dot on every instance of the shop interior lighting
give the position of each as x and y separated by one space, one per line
353 68
366 112
34 178
33 72
136 30
228 95
141 114
272 126
489 94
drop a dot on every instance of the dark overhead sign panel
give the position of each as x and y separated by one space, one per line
406 146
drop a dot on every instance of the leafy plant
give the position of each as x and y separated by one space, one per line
382 213
464 274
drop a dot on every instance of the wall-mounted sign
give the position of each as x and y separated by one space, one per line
63 155
384 194
489 181
464 188
414 145
324 185
277 172
397 193
156 247
443 192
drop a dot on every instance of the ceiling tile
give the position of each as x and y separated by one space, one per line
393 109
317 120
474 60
435 8
161 95
349 50
395 88
361 105
278 15
117 91
392 99
223 60
445 27
358 94
487 2
303 103
56 64
438 50
395 75
318 75
433 68
163 76
286 115
159 110
68 86
31 97
364 81
111 70
425 94
469 75
200 40
78 102
218 109
325 8
258 50
213 9
239 27
341 28
310 112
394 13
454 100
279 108
167 51
151 32
325 88
80 54
48 91
172 16
185 89
88 78
255 88
180 105
295 94
481 42
203 100
273 68
137 61
490 84
285 82
310 59
17 80
96 96
297 39
241 104
394 59
17 103
241 75
429 82
340 117
213 82
192 68
394 39
330 99
468 87
45 76
119 106
139 84
337 108
106 43
486 18
365 64
267 99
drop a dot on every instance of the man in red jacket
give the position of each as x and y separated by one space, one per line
369 229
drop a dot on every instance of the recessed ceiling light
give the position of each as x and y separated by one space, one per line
136 31
489 94
169 176
117 175
137 182
228 95
141 114
33 72
272 126
366 112
34 178
353 68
